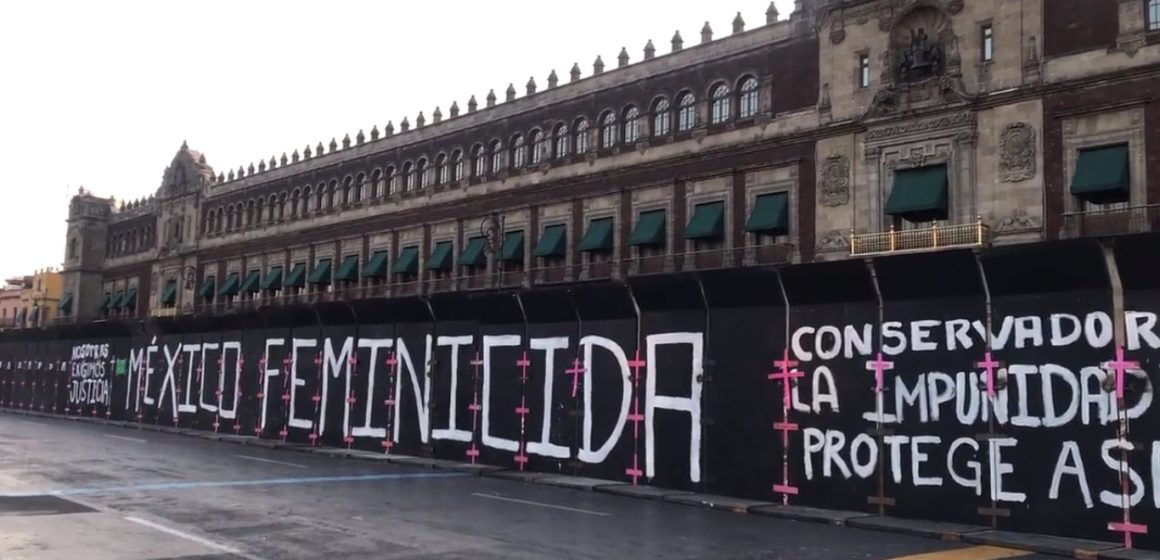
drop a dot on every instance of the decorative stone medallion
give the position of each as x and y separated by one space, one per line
1017 153
835 181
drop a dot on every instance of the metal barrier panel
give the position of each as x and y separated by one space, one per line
931 397
742 453
833 326
1052 329
456 379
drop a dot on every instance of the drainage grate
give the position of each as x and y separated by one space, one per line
21 506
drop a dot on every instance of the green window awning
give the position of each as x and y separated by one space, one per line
253 279
377 266
649 230
107 303
116 304
169 294
553 243
770 215
207 288
513 247
598 237
474 254
66 304
708 221
321 273
408 262
919 194
273 280
297 276
440 256
232 284
348 270
1102 175
129 301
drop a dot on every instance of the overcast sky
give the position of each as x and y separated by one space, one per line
101 94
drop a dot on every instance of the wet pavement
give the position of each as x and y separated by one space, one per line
79 491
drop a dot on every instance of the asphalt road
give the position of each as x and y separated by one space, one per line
77 491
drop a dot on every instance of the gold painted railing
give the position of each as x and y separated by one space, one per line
977 234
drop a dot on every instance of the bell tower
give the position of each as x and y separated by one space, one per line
85 251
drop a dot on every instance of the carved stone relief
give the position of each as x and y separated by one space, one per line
1017 153
832 241
1018 221
835 181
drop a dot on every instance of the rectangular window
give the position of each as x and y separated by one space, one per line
988 42
864 70
1153 15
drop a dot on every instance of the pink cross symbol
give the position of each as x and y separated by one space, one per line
389 402
636 364
477 361
237 428
787 374
313 438
387 445
392 361
879 366
286 397
785 489
524 363
636 418
318 359
473 453
1128 529
283 432
353 361
258 430
575 372
349 440
635 471
990 365
317 398
1120 365
262 361
522 460
216 425
351 399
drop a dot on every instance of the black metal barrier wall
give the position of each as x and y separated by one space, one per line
1011 387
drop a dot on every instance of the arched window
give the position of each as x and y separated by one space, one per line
560 137
686 112
306 200
423 172
282 206
261 207
408 177
360 183
392 181
608 130
661 119
539 147
580 135
440 169
219 220
496 156
250 214
347 191
747 102
230 219
478 161
320 202
456 166
294 197
1154 15
631 125
271 208
331 194
378 184
719 109
519 152
72 248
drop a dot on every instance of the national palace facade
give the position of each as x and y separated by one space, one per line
845 128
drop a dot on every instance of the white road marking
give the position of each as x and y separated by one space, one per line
132 439
28 513
189 537
271 461
540 504
31 423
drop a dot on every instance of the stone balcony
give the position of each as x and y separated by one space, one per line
1111 221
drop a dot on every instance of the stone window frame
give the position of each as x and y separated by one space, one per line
916 156
724 194
589 217
634 253
1152 16
435 240
788 186
863 58
1135 137
510 225
544 224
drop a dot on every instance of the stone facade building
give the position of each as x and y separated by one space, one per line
848 127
